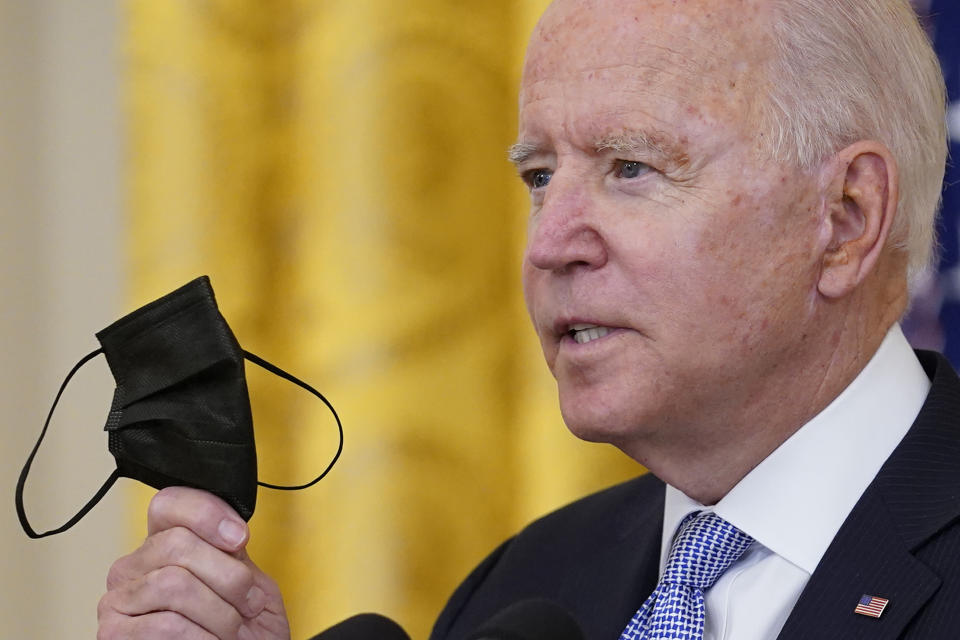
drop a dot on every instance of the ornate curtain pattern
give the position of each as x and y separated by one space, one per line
338 168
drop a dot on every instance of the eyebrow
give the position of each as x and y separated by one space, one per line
631 142
521 152
627 142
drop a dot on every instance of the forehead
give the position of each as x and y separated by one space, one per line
704 56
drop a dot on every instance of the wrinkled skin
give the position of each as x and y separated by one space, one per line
657 213
190 581
741 295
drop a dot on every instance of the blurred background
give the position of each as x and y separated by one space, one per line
338 168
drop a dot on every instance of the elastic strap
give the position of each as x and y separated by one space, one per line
112 478
300 383
21 513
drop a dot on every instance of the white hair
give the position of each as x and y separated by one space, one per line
849 70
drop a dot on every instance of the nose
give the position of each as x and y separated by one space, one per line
564 234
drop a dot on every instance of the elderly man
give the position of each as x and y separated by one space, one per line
728 197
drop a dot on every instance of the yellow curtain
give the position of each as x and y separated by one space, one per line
337 167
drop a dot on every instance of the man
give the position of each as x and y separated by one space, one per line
727 197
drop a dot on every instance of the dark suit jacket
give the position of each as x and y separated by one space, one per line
599 557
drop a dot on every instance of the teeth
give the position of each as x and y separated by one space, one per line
584 333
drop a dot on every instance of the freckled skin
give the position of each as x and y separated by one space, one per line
708 268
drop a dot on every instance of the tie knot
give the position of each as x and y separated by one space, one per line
705 546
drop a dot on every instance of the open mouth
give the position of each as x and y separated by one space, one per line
584 333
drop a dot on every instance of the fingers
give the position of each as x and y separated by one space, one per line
161 624
191 578
176 590
231 579
203 513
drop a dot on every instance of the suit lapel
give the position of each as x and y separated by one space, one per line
866 558
625 569
912 498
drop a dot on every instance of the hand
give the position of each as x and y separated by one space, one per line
191 579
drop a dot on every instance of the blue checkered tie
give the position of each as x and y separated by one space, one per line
705 546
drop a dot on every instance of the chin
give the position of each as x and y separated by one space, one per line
597 422
608 404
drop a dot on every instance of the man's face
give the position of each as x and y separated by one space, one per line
670 270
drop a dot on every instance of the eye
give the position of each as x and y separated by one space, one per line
537 178
628 169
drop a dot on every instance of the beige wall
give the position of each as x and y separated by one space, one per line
60 282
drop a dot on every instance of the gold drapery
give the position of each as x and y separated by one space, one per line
338 168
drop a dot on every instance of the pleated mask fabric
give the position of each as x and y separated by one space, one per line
181 413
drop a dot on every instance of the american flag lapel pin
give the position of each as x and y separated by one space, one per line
871 606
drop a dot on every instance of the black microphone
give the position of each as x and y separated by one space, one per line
364 626
536 619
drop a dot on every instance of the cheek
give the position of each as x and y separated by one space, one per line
749 274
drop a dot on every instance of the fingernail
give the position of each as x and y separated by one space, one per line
256 599
231 532
245 634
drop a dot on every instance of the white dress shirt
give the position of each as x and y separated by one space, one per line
794 502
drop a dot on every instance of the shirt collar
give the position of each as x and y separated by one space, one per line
795 500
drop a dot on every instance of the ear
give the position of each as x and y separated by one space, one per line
861 202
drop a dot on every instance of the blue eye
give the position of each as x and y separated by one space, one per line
537 178
628 169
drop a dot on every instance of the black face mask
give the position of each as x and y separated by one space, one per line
181 413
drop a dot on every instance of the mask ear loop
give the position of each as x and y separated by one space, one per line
21 513
108 483
303 385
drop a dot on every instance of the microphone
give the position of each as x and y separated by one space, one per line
364 626
536 619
